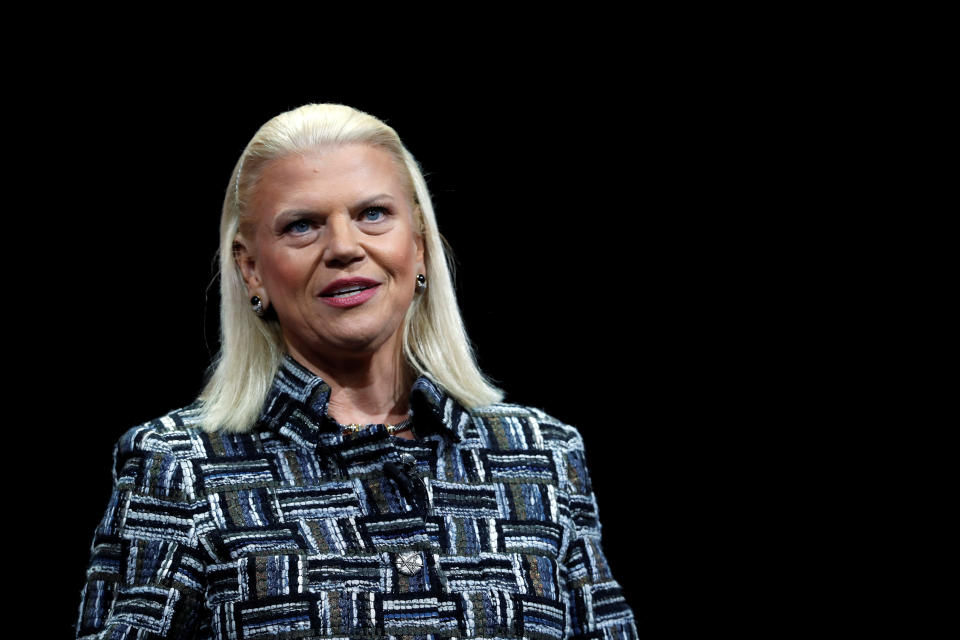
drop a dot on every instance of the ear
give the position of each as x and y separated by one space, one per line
421 263
246 259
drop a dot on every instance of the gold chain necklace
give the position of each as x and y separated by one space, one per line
391 428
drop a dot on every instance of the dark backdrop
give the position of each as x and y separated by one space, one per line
565 267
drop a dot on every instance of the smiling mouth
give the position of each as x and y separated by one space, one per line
348 291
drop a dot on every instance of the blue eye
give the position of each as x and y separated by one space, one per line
373 214
299 226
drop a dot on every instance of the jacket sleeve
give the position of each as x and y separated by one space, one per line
596 606
146 576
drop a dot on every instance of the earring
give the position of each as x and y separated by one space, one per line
421 282
257 305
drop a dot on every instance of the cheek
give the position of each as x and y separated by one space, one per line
408 262
398 257
282 273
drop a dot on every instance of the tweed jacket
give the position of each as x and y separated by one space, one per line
484 526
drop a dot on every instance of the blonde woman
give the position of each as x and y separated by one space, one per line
348 471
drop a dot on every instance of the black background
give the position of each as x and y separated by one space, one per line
566 215
658 223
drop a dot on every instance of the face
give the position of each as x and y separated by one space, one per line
331 247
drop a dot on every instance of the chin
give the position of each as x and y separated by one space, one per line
358 343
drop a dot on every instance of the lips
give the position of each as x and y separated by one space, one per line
346 287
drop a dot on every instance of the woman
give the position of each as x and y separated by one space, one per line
347 471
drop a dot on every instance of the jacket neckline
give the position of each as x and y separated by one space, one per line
298 400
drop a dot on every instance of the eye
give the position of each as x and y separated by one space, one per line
373 214
298 226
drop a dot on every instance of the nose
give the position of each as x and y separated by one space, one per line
342 246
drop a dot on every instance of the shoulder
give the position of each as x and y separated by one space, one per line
165 434
153 458
554 433
514 429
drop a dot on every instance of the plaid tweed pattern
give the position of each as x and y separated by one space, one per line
294 530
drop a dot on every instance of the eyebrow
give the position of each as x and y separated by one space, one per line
369 201
360 205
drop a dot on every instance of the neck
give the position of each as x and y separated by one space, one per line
363 390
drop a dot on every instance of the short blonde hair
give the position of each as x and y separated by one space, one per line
434 340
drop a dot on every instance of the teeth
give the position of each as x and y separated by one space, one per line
347 292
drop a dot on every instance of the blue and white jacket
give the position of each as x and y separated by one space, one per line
298 530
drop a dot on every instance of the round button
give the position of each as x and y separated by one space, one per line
409 562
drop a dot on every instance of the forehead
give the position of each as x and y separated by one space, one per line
330 175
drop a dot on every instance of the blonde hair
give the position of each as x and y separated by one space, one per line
434 340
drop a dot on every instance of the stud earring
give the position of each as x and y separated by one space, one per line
257 305
421 282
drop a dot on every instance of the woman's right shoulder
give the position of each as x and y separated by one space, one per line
175 433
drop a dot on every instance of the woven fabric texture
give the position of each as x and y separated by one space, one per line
294 530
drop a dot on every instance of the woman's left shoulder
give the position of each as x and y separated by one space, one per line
551 429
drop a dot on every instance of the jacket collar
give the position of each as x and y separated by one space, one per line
296 407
